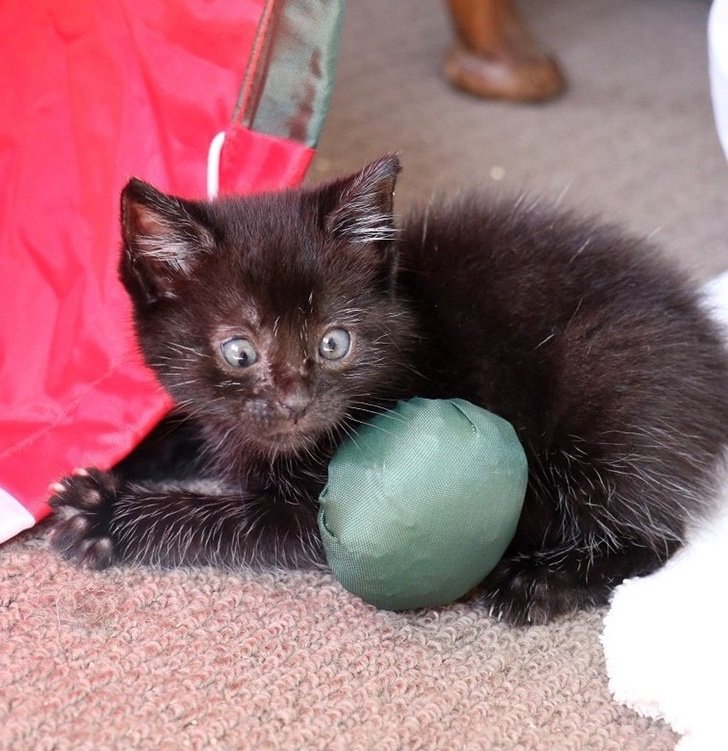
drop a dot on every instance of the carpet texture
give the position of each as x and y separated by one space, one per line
204 660
137 659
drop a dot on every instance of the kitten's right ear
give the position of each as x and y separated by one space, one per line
163 237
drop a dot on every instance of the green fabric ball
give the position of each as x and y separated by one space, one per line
422 503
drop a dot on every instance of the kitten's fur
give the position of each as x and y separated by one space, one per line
591 346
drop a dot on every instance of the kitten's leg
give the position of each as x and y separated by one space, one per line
104 519
534 588
596 513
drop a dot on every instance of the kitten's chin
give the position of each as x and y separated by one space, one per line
288 442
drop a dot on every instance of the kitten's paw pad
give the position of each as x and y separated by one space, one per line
523 592
82 508
84 490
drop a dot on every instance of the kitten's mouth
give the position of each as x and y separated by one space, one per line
292 435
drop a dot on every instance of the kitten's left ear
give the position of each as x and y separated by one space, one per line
360 207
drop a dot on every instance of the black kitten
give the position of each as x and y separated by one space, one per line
280 322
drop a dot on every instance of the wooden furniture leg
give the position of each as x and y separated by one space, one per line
496 56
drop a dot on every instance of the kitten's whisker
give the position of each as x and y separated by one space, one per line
388 413
351 436
371 425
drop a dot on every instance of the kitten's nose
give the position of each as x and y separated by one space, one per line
295 403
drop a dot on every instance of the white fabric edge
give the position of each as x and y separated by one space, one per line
213 165
718 57
14 517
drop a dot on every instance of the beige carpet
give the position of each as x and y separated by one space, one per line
137 659
134 659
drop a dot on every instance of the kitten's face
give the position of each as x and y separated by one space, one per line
272 318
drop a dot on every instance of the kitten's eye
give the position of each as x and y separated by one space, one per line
239 352
335 344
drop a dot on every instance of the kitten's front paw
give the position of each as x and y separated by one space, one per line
527 590
82 504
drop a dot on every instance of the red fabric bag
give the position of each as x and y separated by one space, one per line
93 94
